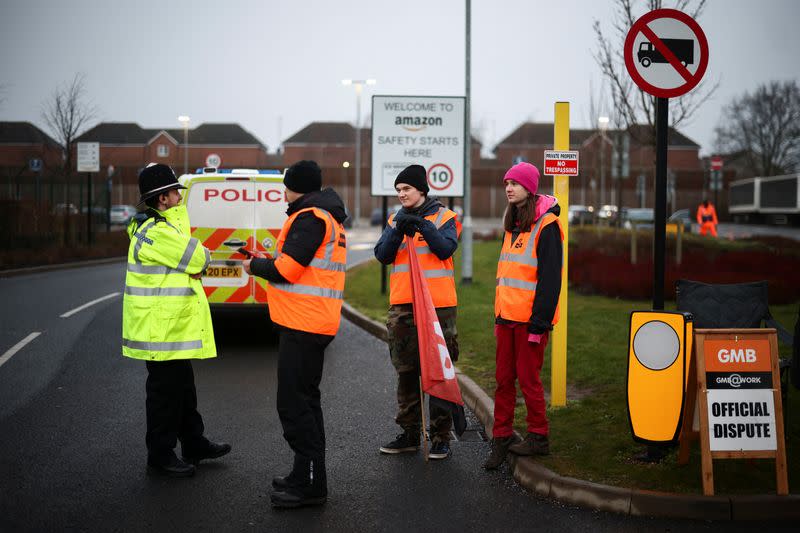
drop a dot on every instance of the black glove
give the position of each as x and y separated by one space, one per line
408 224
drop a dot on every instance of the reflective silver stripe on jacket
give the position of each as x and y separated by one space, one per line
162 346
309 290
159 291
439 216
187 254
517 284
208 258
151 269
421 250
522 258
139 235
328 263
432 273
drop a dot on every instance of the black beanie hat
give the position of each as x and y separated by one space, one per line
414 175
304 176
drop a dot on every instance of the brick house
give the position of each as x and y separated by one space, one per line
530 140
26 153
21 142
126 147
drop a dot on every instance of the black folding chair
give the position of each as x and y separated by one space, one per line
739 305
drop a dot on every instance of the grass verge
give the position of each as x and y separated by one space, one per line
590 437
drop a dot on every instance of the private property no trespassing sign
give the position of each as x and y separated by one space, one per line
560 163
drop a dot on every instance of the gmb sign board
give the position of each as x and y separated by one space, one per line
422 130
740 399
741 407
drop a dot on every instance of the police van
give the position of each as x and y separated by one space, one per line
231 209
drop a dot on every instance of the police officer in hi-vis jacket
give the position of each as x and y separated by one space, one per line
167 323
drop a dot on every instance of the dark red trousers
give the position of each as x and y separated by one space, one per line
518 359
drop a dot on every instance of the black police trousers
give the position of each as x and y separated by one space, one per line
300 361
172 409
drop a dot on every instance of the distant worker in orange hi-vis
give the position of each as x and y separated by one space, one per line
707 218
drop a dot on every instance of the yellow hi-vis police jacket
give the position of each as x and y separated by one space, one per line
165 314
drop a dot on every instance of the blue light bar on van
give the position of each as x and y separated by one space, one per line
211 170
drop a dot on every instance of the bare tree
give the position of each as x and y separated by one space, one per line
632 104
66 113
764 127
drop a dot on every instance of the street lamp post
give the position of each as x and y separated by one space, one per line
183 119
358 85
602 123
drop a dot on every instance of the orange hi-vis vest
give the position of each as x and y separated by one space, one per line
438 273
706 214
517 273
312 300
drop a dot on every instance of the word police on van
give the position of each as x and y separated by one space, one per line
231 209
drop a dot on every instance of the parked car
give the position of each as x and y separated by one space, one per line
682 215
642 217
607 214
581 214
122 214
61 209
98 212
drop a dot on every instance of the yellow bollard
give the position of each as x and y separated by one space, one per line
558 369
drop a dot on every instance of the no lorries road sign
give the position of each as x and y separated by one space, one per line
560 163
666 53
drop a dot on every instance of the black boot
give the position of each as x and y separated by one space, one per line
169 466
207 450
309 487
298 467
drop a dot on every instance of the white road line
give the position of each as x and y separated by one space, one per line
89 304
17 347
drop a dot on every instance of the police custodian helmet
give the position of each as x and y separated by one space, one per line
155 179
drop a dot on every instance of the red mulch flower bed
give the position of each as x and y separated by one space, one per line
600 264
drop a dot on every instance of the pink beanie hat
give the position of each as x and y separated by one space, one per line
526 175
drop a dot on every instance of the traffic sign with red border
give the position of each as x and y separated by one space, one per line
716 163
650 81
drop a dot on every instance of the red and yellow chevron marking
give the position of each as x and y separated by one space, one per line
255 290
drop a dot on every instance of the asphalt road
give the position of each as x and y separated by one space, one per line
72 434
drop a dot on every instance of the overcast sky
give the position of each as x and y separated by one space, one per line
275 66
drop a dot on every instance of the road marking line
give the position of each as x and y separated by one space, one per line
89 304
17 347
365 246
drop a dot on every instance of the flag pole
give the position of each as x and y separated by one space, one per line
424 434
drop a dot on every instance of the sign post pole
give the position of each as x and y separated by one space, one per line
89 208
660 227
558 376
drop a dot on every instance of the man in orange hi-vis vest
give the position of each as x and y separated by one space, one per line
707 218
305 301
434 233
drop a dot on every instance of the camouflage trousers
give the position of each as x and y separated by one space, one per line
404 351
